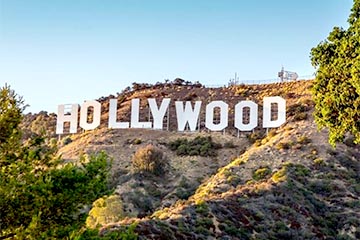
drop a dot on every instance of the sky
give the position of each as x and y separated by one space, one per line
68 51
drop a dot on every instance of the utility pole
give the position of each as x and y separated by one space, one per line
281 74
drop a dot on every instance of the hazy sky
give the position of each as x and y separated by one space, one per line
67 51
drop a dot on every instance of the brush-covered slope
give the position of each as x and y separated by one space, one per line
288 183
292 186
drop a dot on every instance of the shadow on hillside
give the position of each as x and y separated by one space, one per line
321 202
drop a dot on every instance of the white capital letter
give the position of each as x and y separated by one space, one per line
158 113
239 115
84 114
187 115
113 116
72 118
135 105
209 119
281 114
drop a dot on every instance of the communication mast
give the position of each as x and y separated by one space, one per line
234 81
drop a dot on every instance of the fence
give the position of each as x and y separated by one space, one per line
261 81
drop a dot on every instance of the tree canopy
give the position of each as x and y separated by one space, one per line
337 84
41 197
11 107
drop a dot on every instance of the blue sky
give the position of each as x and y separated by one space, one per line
68 51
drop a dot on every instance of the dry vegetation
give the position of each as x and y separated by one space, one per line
288 183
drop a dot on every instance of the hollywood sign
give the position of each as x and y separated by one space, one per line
187 114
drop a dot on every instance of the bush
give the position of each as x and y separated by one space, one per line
201 207
148 159
185 189
319 162
261 173
53 142
322 187
297 108
142 201
280 175
124 232
105 210
135 141
66 141
255 136
283 145
300 116
182 193
303 140
203 146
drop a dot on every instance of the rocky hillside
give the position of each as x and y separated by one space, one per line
292 185
287 183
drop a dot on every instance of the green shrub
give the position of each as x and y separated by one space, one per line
303 140
184 189
202 230
201 207
319 162
137 141
258 143
124 233
183 150
199 146
234 180
271 133
254 137
280 175
152 190
184 182
283 145
322 187
148 159
261 173
297 108
355 188
300 116
105 210
141 201
300 170
53 142
182 193
204 222
66 141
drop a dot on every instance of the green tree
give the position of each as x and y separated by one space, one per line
336 87
41 197
11 108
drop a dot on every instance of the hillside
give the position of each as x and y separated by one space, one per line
287 183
